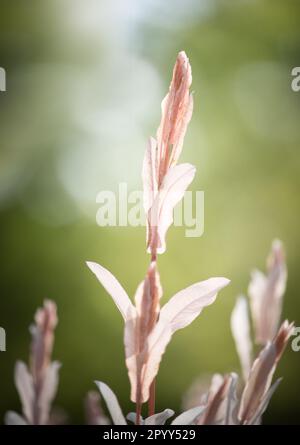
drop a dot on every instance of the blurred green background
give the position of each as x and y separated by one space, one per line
84 84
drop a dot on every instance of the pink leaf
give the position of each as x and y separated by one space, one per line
42 340
241 333
232 402
159 418
258 383
24 385
112 404
177 107
138 329
114 288
187 304
217 404
179 312
266 293
256 420
48 391
261 374
189 417
160 216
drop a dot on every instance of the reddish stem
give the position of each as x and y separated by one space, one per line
138 413
151 403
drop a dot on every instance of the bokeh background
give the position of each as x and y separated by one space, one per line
84 84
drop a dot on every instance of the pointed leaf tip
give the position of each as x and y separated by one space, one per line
114 288
111 403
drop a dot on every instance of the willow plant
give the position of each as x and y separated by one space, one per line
148 328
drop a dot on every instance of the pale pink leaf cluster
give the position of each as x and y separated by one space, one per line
266 294
228 401
258 390
143 358
165 182
37 384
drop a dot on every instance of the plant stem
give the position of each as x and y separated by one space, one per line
151 403
138 413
